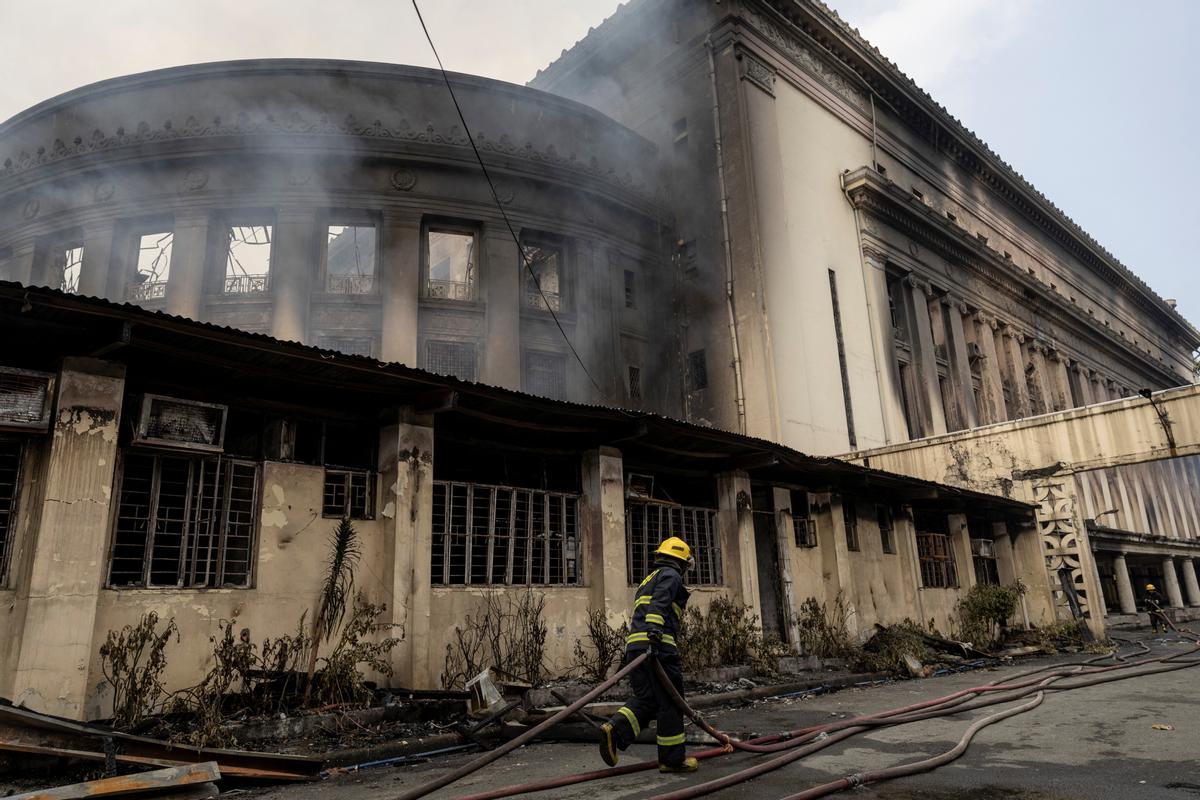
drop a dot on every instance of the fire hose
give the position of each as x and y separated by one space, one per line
805 741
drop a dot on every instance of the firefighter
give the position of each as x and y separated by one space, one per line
657 610
1154 604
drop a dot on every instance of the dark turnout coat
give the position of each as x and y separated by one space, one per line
658 606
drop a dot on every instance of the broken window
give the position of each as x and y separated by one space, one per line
450 274
485 534
350 259
648 522
804 527
248 259
850 520
887 538
348 494
181 423
10 473
937 561
153 267
635 384
184 522
697 371
630 289
983 557
546 375
66 264
451 358
350 345
543 276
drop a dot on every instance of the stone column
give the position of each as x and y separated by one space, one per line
736 523
960 541
602 526
960 364
1015 357
993 392
1060 381
502 282
406 475
1188 565
928 392
1125 593
785 541
878 307
1171 582
189 260
399 285
20 264
835 556
1002 544
1083 377
69 557
1036 353
94 274
293 270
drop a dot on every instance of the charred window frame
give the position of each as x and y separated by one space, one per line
12 453
697 371
936 559
184 521
350 256
804 527
350 345
64 263
983 558
248 257
452 357
630 288
501 535
348 494
887 528
546 258
150 252
635 383
649 522
850 520
450 261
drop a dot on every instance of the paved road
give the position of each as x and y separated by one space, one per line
1095 743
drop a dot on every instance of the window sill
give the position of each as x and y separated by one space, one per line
158 590
473 306
341 298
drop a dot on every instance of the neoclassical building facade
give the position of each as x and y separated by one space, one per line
339 204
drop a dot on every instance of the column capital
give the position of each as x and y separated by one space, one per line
988 319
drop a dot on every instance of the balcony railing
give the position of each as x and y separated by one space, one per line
246 284
450 290
149 290
349 284
543 300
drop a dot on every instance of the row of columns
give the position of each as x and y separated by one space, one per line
1126 594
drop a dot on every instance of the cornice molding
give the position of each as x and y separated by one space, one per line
874 194
817 40
756 71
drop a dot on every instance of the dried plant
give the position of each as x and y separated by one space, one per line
336 590
605 645
133 660
727 635
339 681
823 630
508 635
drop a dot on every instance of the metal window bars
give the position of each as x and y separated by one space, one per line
10 475
937 561
347 494
449 290
648 522
501 535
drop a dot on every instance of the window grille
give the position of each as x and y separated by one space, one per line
647 523
10 473
451 358
635 384
805 531
850 518
348 494
983 557
630 289
181 423
247 259
937 561
502 535
546 263
887 537
184 522
350 259
450 265
350 345
25 398
153 267
546 375
697 370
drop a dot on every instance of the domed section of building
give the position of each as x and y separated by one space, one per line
340 204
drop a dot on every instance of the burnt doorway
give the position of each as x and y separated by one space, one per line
766 546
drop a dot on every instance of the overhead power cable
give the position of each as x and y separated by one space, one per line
496 198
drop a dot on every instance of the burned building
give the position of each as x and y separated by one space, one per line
281 294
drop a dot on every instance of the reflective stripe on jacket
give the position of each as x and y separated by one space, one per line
657 606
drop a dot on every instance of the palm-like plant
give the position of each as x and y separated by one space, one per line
336 591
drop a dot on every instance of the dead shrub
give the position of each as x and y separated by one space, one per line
605 646
823 631
506 633
133 660
727 635
888 649
339 681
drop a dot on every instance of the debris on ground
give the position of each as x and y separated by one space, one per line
194 782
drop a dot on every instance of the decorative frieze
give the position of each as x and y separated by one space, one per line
1062 544
808 59
757 72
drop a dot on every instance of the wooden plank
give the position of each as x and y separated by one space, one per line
156 781
145 761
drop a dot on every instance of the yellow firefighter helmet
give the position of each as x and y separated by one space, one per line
676 548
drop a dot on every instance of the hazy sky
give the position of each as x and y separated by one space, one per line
1092 100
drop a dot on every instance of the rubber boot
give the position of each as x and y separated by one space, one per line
608 746
689 765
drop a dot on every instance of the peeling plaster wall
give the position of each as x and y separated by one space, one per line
13 601
292 549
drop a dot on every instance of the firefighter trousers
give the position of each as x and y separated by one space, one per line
651 702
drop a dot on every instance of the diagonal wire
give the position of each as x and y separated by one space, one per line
512 232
